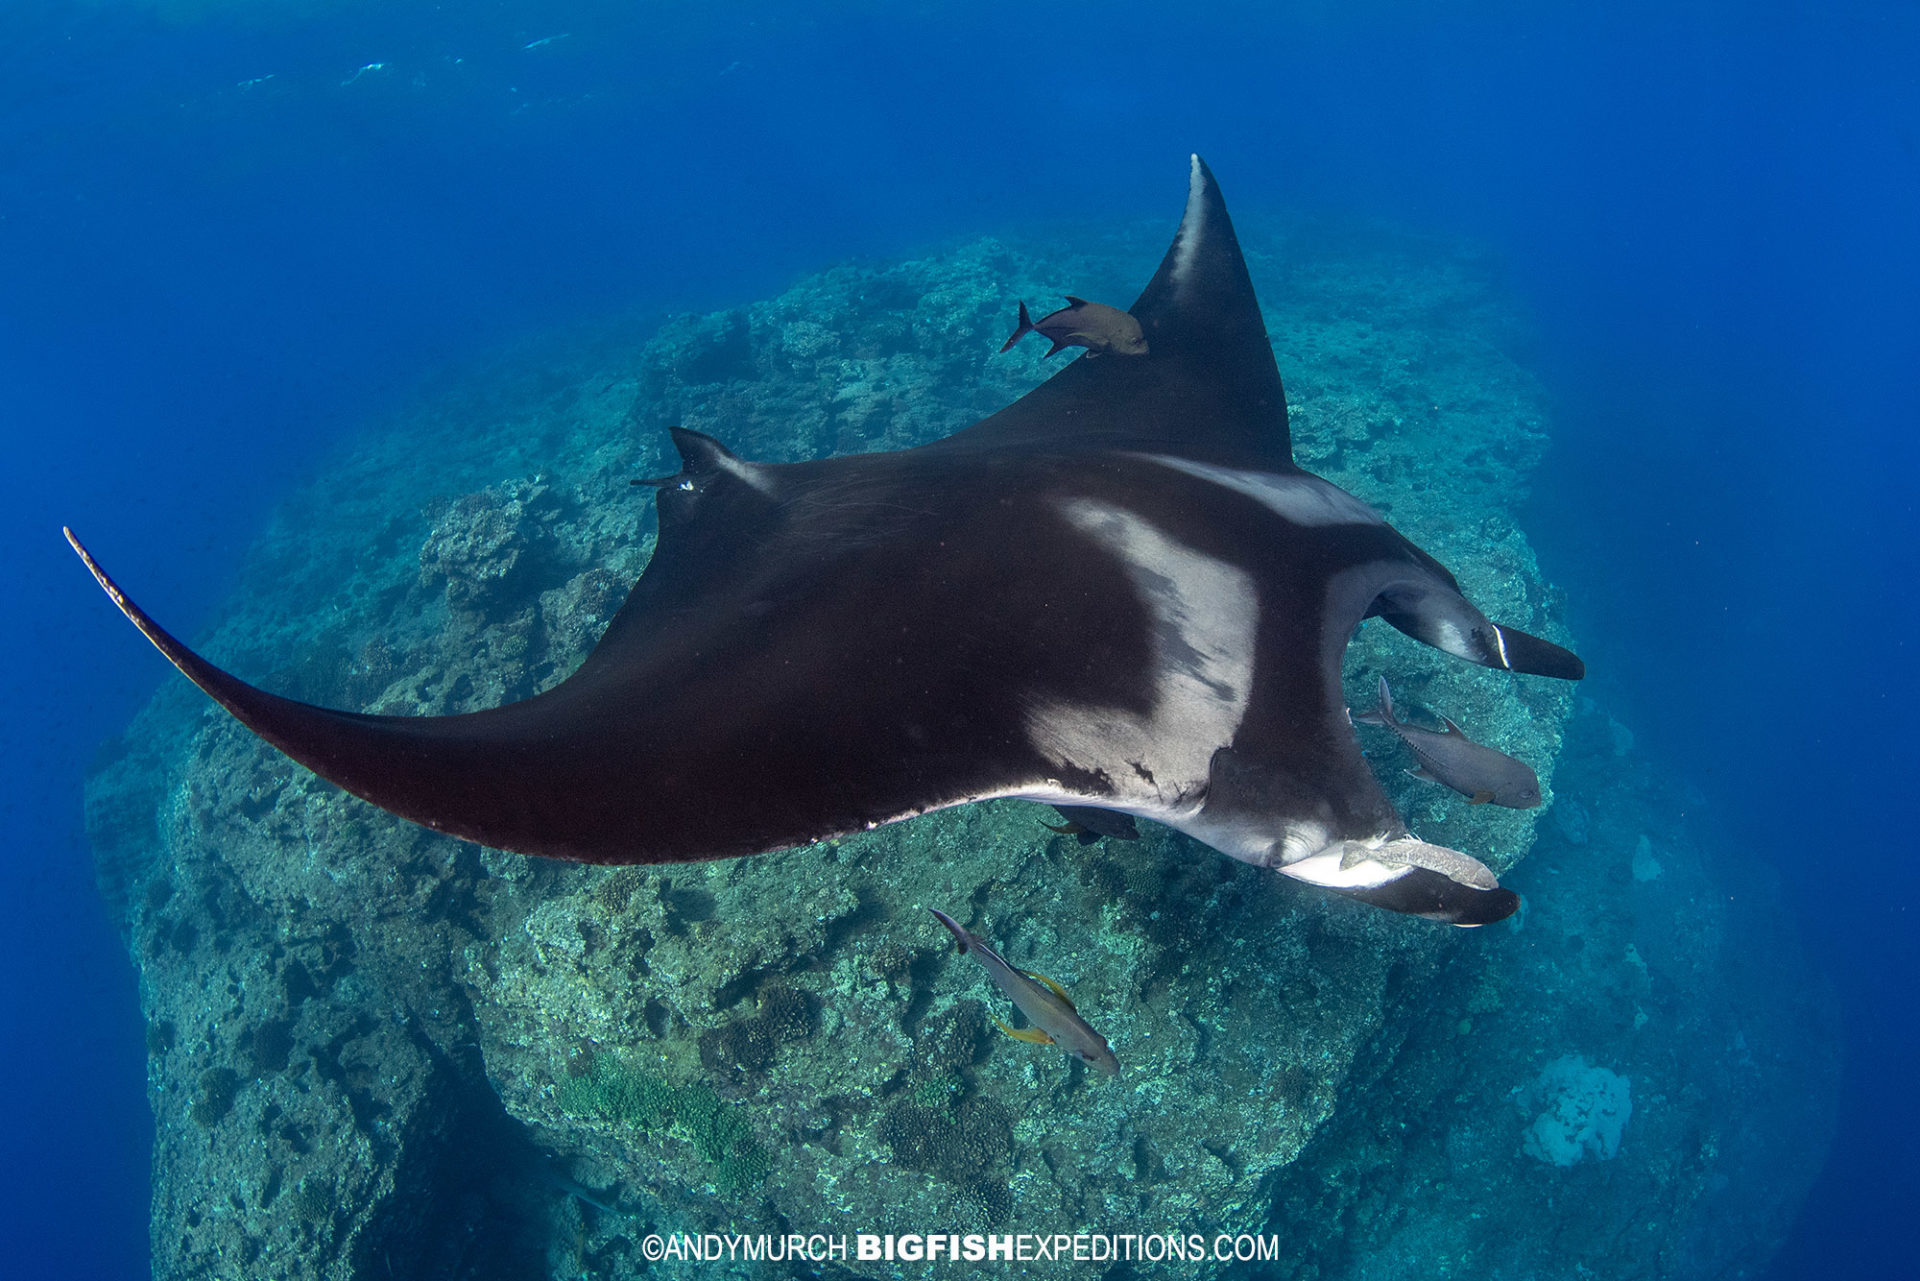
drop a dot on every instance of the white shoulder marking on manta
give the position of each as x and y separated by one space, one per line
1205 624
1186 242
1304 500
751 473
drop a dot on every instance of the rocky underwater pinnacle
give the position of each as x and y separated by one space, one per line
375 1050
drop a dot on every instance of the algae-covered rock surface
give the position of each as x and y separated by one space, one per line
376 1051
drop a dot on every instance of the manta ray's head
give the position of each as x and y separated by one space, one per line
1376 862
1411 876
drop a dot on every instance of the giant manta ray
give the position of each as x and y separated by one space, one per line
1117 592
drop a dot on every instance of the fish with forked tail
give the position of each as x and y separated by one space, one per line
1088 823
1093 325
1449 757
1055 1020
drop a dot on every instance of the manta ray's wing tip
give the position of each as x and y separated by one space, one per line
93 566
107 584
198 670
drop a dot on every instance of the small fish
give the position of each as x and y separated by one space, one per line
1408 851
605 1202
1089 823
1093 325
1451 758
1055 1021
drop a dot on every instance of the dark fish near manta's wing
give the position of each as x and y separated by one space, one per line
1450 758
1093 325
1088 824
1117 592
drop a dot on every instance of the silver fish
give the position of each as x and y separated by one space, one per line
1047 1007
1451 758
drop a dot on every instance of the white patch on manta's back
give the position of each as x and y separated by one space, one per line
1205 622
1186 241
1304 500
750 473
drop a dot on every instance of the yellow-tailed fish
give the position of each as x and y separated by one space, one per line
1047 1007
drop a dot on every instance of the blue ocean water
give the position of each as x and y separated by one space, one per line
230 232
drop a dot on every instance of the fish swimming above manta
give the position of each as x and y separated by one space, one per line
1118 592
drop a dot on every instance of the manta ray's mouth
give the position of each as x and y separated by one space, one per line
1406 874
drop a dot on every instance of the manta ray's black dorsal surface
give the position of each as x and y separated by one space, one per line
1117 592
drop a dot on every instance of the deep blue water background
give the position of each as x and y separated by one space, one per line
1712 211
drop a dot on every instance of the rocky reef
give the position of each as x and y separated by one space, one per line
376 1051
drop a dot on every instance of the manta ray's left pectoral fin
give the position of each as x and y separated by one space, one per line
1432 610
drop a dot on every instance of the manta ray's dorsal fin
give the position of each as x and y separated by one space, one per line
1207 389
705 462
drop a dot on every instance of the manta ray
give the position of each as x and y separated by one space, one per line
1118 592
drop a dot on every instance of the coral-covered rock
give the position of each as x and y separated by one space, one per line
1582 1111
377 1051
